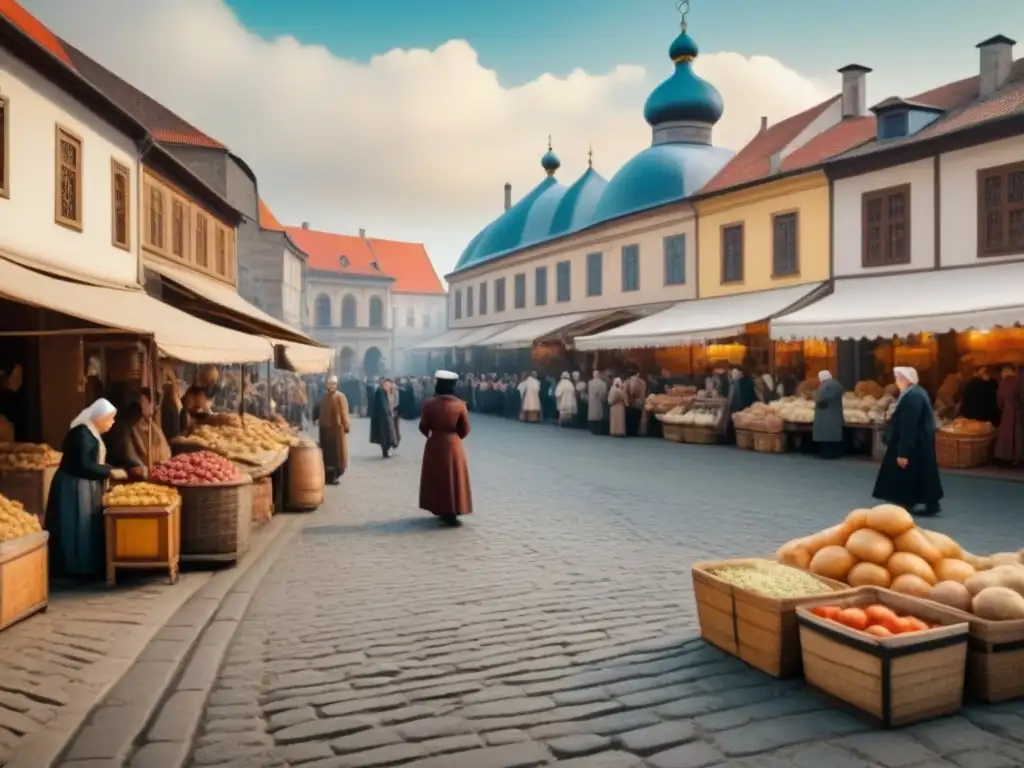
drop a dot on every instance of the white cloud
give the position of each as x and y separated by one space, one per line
415 144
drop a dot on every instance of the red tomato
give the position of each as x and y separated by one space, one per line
915 624
878 630
854 618
826 611
879 614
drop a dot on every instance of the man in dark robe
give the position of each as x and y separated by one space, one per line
383 425
332 416
979 400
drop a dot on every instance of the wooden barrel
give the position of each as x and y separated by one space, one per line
305 477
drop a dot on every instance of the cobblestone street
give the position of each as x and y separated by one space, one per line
557 624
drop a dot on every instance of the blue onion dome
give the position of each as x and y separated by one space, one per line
684 97
577 206
550 161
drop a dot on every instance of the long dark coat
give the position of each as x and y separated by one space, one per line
333 418
1010 438
444 477
910 435
383 429
828 413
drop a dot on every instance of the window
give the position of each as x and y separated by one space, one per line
410 317
499 295
469 301
785 254
630 268
458 305
178 230
595 263
732 254
376 312
68 211
563 281
1001 210
520 290
885 220
5 148
348 311
483 298
322 311
540 287
120 202
221 254
202 242
156 218
674 247
895 125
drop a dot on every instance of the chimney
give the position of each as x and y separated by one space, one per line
305 225
508 195
764 124
774 162
855 92
362 233
996 62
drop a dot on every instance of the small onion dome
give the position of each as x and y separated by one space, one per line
550 162
684 97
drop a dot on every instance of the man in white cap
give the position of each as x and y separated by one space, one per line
909 475
332 416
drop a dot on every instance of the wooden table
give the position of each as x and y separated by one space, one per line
143 538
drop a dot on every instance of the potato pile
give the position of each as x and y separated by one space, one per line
141 495
758 418
15 522
702 416
883 547
969 428
674 397
27 456
241 439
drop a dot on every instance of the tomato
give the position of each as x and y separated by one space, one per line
826 611
877 630
916 625
854 618
879 614
894 624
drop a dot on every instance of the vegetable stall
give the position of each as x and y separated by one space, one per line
896 620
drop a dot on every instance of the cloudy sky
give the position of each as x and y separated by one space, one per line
406 117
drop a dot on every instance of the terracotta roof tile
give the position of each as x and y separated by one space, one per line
845 135
754 160
409 264
268 220
343 254
162 123
35 29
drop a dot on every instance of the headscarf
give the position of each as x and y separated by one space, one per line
908 373
98 410
824 376
575 375
617 383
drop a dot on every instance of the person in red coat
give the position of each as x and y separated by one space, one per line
444 477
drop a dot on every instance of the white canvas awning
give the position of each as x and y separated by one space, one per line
306 359
481 336
920 302
698 320
522 335
178 334
446 340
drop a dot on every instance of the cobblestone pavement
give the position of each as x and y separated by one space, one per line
53 666
557 624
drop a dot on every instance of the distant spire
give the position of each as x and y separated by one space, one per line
590 157
683 6
550 148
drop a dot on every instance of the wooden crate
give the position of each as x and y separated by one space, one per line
143 538
24 578
29 486
769 442
897 680
760 630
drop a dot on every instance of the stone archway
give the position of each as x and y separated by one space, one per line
346 360
373 362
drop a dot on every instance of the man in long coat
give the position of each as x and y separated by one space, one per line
827 431
529 391
383 425
597 399
332 416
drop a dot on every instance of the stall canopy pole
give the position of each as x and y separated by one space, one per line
154 373
241 392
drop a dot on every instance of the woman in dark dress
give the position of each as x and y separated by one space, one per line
980 401
827 430
383 426
909 475
444 476
74 511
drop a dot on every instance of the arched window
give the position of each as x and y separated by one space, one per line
348 311
376 312
322 311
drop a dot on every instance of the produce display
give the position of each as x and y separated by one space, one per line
771 579
140 495
15 522
701 416
27 456
673 416
875 620
673 397
201 468
758 418
857 410
969 428
238 438
883 547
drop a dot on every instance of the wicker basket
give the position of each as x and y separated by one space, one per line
262 501
29 486
769 442
674 433
744 439
963 451
700 435
215 521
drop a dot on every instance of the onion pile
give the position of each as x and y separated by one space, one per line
201 468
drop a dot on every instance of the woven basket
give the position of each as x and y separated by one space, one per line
262 501
216 521
672 432
744 439
700 435
963 451
769 442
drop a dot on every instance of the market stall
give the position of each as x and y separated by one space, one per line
24 559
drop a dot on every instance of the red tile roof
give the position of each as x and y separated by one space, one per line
843 136
754 160
325 251
35 29
409 264
268 220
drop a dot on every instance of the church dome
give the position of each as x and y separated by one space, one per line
577 206
684 97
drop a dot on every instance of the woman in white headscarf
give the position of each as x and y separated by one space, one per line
617 409
909 475
565 400
827 431
74 511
